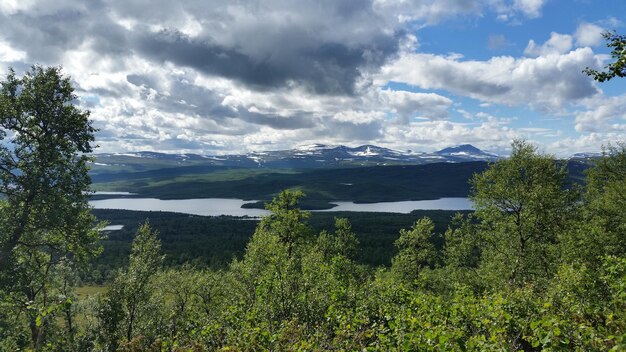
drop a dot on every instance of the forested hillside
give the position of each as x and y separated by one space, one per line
215 241
358 184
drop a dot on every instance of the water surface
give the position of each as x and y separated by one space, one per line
232 207
107 193
405 207
202 206
112 228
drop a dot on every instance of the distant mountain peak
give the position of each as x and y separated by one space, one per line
466 152
366 150
460 148
314 146
586 155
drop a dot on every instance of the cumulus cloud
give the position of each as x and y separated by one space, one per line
409 104
531 8
432 135
557 44
221 77
324 46
512 10
10 7
546 83
588 34
602 114
591 142
429 11
8 54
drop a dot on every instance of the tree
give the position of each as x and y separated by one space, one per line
603 226
603 229
271 269
522 208
416 251
125 304
614 69
342 242
287 221
45 215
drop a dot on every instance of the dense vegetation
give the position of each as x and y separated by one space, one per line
214 241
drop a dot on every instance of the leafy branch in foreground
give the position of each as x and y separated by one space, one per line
45 219
614 69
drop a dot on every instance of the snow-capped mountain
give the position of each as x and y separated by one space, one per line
466 152
305 156
588 155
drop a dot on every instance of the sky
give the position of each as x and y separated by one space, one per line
222 77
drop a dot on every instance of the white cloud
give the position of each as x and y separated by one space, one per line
588 34
531 8
556 45
10 7
510 10
591 142
433 135
428 11
226 77
544 83
8 54
359 117
603 114
409 104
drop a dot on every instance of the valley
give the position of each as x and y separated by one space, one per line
197 205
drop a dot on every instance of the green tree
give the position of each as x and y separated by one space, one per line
270 270
462 253
342 242
522 209
416 251
287 221
127 303
44 216
603 227
618 53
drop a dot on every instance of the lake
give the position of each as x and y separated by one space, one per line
203 206
106 193
232 207
405 207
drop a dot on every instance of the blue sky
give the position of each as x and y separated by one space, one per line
217 77
483 37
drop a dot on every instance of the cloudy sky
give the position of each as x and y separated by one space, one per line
217 77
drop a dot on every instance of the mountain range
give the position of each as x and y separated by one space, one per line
324 173
303 157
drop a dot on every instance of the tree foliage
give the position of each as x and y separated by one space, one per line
602 227
45 219
618 53
416 251
523 210
127 304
